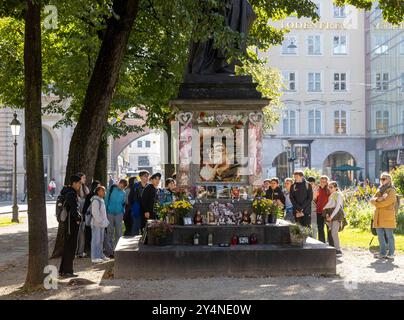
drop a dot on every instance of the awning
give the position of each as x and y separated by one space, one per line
346 167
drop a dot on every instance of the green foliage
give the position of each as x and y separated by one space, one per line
270 83
359 214
312 173
398 179
393 10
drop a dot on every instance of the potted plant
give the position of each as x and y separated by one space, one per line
298 234
181 209
158 232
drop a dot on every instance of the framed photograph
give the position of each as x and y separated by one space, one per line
212 192
187 221
243 240
223 192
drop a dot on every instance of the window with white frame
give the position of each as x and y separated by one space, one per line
289 122
314 82
340 81
380 43
339 12
290 80
382 81
290 45
340 122
382 118
147 144
314 121
143 161
314 44
340 45
139 143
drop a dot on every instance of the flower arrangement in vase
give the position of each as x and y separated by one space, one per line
298 234
158 232
262 208
181 209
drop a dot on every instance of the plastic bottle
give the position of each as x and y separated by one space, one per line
210 239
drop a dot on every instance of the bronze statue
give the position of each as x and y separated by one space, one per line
204 58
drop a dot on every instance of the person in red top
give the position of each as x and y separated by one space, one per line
321 198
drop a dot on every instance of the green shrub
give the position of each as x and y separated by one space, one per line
359 214
312 173
400 222
398 179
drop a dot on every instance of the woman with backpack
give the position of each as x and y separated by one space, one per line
334 214
99 222
384 219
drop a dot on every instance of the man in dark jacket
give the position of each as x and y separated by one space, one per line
135 201
149 199
275 192
72 224
301 196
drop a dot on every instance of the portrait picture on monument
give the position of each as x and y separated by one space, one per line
218 157
201 192
212 192
223 192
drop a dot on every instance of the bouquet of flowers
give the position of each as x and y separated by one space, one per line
164 210
181 208
262 206
224 213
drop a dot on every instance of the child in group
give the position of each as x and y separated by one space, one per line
99 222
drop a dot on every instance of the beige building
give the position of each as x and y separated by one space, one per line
323 66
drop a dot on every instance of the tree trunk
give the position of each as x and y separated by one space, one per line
37 226
101 166
87 135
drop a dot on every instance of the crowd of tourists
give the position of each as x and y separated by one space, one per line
320 206
96 215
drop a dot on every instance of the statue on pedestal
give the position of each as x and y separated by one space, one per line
204 58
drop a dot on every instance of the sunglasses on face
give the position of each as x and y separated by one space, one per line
383 179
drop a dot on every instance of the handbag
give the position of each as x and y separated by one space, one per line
372 229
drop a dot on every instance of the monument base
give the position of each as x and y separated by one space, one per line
134 260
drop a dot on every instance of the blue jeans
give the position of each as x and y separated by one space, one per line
382 241
289 215
114 232
135 226
97 243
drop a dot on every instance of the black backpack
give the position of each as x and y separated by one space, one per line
61 211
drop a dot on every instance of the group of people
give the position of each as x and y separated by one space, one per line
96 214
317 205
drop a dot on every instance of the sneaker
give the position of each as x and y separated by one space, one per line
380 256
339 253
97 260
106 259
389 257
68 275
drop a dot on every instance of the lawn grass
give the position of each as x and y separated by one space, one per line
6 221
360 239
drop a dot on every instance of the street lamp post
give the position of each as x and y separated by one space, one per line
15 131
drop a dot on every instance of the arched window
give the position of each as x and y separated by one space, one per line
340 122
314 121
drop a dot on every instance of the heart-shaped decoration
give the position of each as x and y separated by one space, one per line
232 118
220 118
255 117
185 118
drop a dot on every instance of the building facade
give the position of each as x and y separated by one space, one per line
323 123
55 152
384 95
